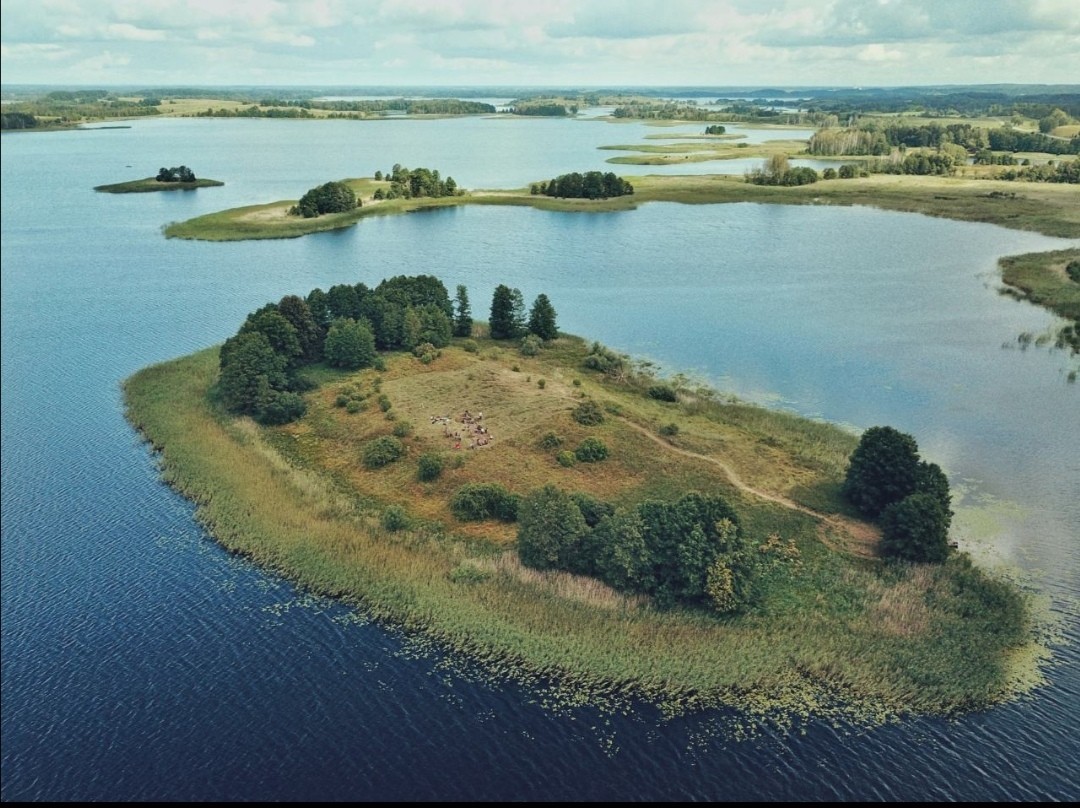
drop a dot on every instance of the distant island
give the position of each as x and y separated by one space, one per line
551 508
179 178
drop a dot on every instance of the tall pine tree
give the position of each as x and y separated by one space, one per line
462 314
542 319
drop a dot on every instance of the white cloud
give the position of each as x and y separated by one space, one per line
571 42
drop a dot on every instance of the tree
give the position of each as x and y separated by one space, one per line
349 344
249 368
916 529
550 527
310 336
502 313
542 319
517 313
331 197
463 314
884 469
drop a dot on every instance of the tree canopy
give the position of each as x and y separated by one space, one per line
887 480
331 197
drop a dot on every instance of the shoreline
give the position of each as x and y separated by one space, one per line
1047 208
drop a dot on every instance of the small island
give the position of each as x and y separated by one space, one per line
552 509
178 178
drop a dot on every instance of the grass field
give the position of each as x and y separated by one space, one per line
1041 278
830 631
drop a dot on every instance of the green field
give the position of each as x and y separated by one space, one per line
832 629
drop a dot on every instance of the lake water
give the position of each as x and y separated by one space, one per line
140 662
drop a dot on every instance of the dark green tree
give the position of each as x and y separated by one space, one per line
884 469
297 312
249 367
502 313
550 527
349 344
916 529
463 314
542 319
278 331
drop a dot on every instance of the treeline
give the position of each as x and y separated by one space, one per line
1067 171
409 106
345 327
65 108
18 120
590 185
682 111
544 108
777 171
715 130
417 182
256 111
874 140
686 552
175 174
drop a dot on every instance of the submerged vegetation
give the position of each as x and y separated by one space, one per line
600 572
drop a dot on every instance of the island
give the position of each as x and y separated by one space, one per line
554 511
178 178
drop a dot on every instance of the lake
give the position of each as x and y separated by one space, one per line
141 662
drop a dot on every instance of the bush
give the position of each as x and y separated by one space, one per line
402 429
384 403
588 413
395 518
474 502
566 458
281 408
467 573
669 430
591 450
341 400
550 442
662 392
531 345
541 383
353 406
470 346
429 467
381 451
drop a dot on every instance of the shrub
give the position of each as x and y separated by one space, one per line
591 450
426 353
566 458
384 403
467 573
281 408
353 406
669 430
530 345
550 441
341 400
662 392
588 413
381 451
541 383
429 467
402 429
474 502
395 518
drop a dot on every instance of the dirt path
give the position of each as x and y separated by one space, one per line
836 532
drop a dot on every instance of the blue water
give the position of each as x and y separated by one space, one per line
139 661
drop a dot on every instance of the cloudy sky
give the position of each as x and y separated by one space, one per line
576 43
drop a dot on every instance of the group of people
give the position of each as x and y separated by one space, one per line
471 429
